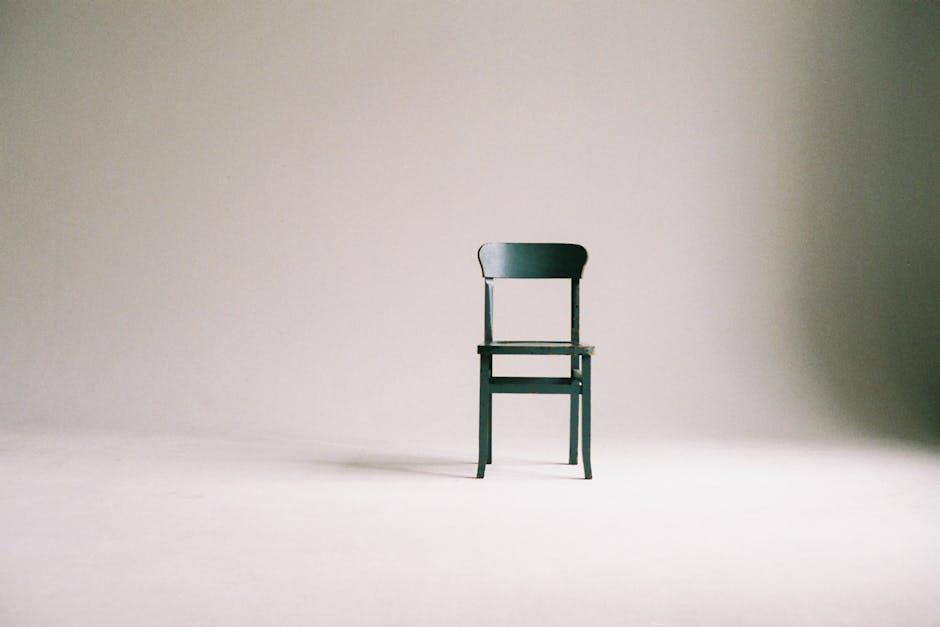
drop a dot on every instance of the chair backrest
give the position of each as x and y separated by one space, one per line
532 261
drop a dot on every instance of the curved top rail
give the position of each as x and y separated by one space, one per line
500 260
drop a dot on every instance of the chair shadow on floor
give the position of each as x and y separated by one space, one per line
433 466
410 464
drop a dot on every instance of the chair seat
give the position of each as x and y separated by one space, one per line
534 348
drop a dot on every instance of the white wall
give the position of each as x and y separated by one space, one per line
247 218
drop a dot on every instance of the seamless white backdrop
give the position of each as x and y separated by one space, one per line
262 219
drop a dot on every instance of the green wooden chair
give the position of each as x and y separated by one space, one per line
535 261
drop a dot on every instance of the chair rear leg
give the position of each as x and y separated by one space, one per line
586 415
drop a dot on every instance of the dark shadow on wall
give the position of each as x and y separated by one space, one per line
870 235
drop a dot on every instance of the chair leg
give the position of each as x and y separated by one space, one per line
484 413
573 420
489 428
573 431
586 414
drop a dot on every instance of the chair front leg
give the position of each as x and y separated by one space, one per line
586 414
573 419
485 401
489 423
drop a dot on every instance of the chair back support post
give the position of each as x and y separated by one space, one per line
488 312
575 310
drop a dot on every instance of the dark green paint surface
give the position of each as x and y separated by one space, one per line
535 261
532 261
535 348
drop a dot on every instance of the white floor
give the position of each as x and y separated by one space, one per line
156 531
